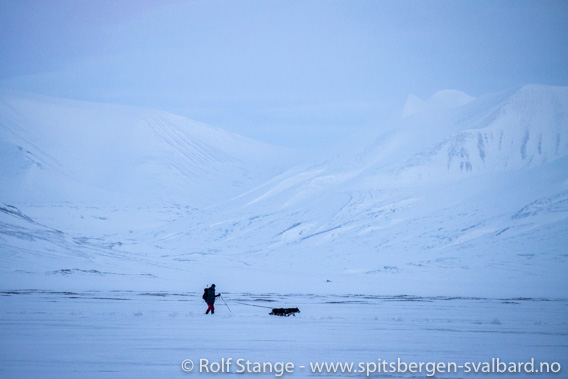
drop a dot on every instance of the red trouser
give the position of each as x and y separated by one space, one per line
211 308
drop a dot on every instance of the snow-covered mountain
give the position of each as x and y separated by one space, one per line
522 129
62 149
463 196
434 198
498 134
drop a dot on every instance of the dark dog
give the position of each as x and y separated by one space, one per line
284 311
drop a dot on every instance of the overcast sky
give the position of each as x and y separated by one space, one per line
300 73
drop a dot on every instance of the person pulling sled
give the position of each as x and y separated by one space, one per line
209 297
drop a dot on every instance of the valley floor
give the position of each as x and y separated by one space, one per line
121 334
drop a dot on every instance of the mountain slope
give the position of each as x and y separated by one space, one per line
69 149
525 129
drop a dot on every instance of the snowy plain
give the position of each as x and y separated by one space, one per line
441 236
98 334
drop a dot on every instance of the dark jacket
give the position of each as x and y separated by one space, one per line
211 295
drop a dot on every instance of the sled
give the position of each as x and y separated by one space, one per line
284 312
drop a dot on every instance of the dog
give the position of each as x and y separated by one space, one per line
284 311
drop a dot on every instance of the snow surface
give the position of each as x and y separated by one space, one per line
107 334
439 236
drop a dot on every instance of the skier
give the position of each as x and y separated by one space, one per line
211 299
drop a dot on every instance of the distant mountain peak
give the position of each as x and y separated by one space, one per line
444 99
413 105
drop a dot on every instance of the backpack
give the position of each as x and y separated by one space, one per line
205 293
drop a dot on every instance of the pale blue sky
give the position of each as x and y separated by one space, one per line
300 73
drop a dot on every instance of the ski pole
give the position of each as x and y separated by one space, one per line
226 304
